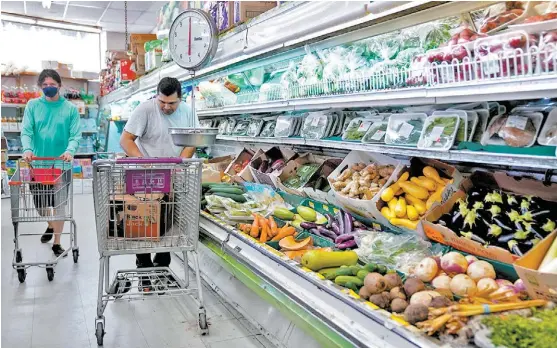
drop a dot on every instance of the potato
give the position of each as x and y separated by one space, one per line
375 283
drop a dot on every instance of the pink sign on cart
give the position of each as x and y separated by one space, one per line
147 181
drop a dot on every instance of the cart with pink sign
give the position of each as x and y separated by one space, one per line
147 205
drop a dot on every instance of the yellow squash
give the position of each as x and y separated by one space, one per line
433 174
400 208
412 213
414 190
417 203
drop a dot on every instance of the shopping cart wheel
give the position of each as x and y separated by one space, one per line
75 255
18 256
99 332
50 273
21 274
203 323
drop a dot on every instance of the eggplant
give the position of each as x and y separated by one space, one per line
326 233
473 237
308 225
505 238
524 206
358 224
340 219
330 220
344 238
336 228
511 199
494 230
513 246
521 235
315 231
494 210
528 216
514 215
502 225
548 226
348 225
346 245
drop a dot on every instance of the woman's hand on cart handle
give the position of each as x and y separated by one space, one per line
67 157
28 156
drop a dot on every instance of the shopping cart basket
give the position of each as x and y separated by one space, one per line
146 206
41 190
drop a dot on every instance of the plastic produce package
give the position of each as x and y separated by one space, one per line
268 130
216 94
241 128
230 126
317 125
405 129
255 127
395 251
286 126
518 129
439 132
376 133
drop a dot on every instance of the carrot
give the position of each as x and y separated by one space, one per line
264 231
254 232
274 227
284 232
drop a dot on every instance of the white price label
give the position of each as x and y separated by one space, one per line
405 130
517 122
490 64
364 126
436 133
315 121
379 134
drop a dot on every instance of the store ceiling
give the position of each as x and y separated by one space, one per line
142 15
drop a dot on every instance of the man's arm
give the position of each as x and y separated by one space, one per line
187 152
127 141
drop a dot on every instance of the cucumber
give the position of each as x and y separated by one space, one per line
329 273
214 186
342 280
362 273
352 286
355 270
343 271
371 267
237 198
381 269
231 190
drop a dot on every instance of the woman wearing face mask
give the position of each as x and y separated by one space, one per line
51 128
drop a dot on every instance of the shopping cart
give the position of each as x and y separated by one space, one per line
41 190
146 206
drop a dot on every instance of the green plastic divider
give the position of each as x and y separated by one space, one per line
316 328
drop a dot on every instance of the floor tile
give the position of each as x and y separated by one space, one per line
243 342
225 330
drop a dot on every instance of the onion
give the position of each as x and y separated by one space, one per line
520 288
454 263
471 259
503 282
441 282
463 285
480 269
438 260
426 270
423 297
486 286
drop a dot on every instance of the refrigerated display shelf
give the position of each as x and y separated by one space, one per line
514 160
359 322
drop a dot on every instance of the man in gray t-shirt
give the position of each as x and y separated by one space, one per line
146 135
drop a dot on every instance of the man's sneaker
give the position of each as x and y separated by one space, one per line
58 250
145 285
47 235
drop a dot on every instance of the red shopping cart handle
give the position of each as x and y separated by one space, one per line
46 158
152 160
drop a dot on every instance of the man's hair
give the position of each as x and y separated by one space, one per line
53 74
169 86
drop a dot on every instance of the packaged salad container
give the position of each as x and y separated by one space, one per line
317 125
376 133
462 133
405 129
241 128
255 127
358 127
230 126
439 132
286 126
223 126
268 130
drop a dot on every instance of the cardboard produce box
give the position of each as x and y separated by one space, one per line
240 166
362 207
246 10
273 154
141 38
220 163
291 169
540 285
499 181
326 169
416 169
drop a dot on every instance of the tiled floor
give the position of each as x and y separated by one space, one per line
61 313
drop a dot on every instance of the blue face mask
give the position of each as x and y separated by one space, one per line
50 91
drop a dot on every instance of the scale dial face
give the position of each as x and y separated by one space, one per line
192 39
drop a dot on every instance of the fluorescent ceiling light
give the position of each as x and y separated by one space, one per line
17 19
69 26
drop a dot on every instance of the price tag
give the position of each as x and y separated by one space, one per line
436 133
405 130
517 122
364 126
490 64
379 134
315 121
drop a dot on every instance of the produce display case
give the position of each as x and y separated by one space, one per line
356 66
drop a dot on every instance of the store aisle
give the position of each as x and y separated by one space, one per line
61 314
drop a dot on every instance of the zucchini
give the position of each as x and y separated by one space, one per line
343 271
342 280
231 190
381 269
329 273
237 198
371 267
352 286
362 273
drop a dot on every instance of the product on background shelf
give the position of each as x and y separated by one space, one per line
439 132
405 129
518 129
